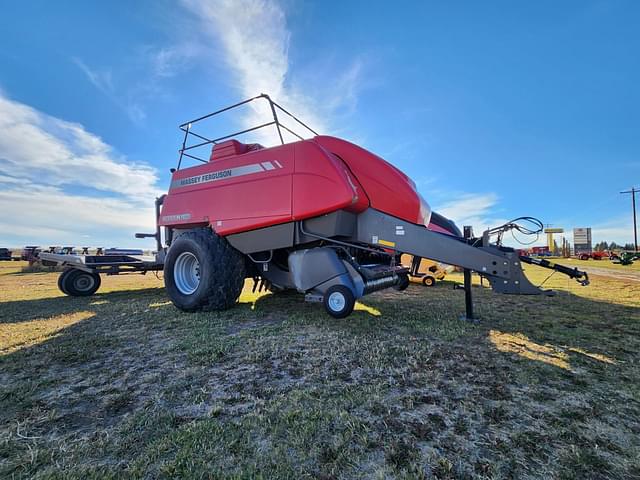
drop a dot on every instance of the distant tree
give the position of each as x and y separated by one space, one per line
613 246
629 246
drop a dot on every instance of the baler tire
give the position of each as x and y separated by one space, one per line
428 281
221 272
68 283
346 298
403 282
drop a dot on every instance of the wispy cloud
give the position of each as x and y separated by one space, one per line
479 210
476 209
64 153
618 229
252 38
43 160
39 213
255 41
169 61
103 80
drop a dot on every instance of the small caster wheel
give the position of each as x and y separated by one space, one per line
339 301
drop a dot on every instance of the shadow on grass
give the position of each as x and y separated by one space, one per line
566 331
26 310
136 353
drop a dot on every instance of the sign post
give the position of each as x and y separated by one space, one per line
633 192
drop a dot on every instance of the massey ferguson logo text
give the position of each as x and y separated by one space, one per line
228 173
204 178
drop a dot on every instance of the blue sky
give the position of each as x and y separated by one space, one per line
495 109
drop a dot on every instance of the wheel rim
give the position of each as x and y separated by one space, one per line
337 301
186 273
84 282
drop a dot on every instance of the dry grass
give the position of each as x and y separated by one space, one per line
124 385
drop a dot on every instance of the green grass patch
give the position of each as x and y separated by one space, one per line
123 385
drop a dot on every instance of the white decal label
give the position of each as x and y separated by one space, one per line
176 218
225 174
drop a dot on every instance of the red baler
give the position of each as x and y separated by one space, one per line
321 215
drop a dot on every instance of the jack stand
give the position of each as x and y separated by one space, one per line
468 298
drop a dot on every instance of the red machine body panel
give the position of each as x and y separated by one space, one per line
438 228
322 183
243 189
389 190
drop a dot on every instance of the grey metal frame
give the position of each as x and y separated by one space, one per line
374 231
501 266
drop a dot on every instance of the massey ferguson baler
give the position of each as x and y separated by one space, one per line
321 215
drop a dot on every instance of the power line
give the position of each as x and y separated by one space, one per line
633 192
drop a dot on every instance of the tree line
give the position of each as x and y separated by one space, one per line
601 246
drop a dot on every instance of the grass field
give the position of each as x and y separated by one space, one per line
124 385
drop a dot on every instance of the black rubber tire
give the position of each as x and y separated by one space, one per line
78 283
222 271
349 301
403 282
62 280
428 281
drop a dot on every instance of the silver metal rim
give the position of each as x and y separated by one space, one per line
337 301
84 282
186 273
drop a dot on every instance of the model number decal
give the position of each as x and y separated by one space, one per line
224 174
174 218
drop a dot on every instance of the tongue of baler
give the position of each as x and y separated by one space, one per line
502 266
580 276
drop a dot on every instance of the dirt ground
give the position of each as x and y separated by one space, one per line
123 385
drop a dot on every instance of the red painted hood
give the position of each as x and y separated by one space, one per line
389 190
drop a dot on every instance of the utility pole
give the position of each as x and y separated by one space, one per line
633 192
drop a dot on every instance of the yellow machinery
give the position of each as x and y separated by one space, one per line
423 270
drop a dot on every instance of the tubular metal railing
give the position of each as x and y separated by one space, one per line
187 128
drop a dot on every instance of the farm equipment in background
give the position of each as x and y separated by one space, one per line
596 255
5 255
123 251
30 254
540 251
424 270
321 216
627 258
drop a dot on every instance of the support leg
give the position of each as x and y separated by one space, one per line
468 296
